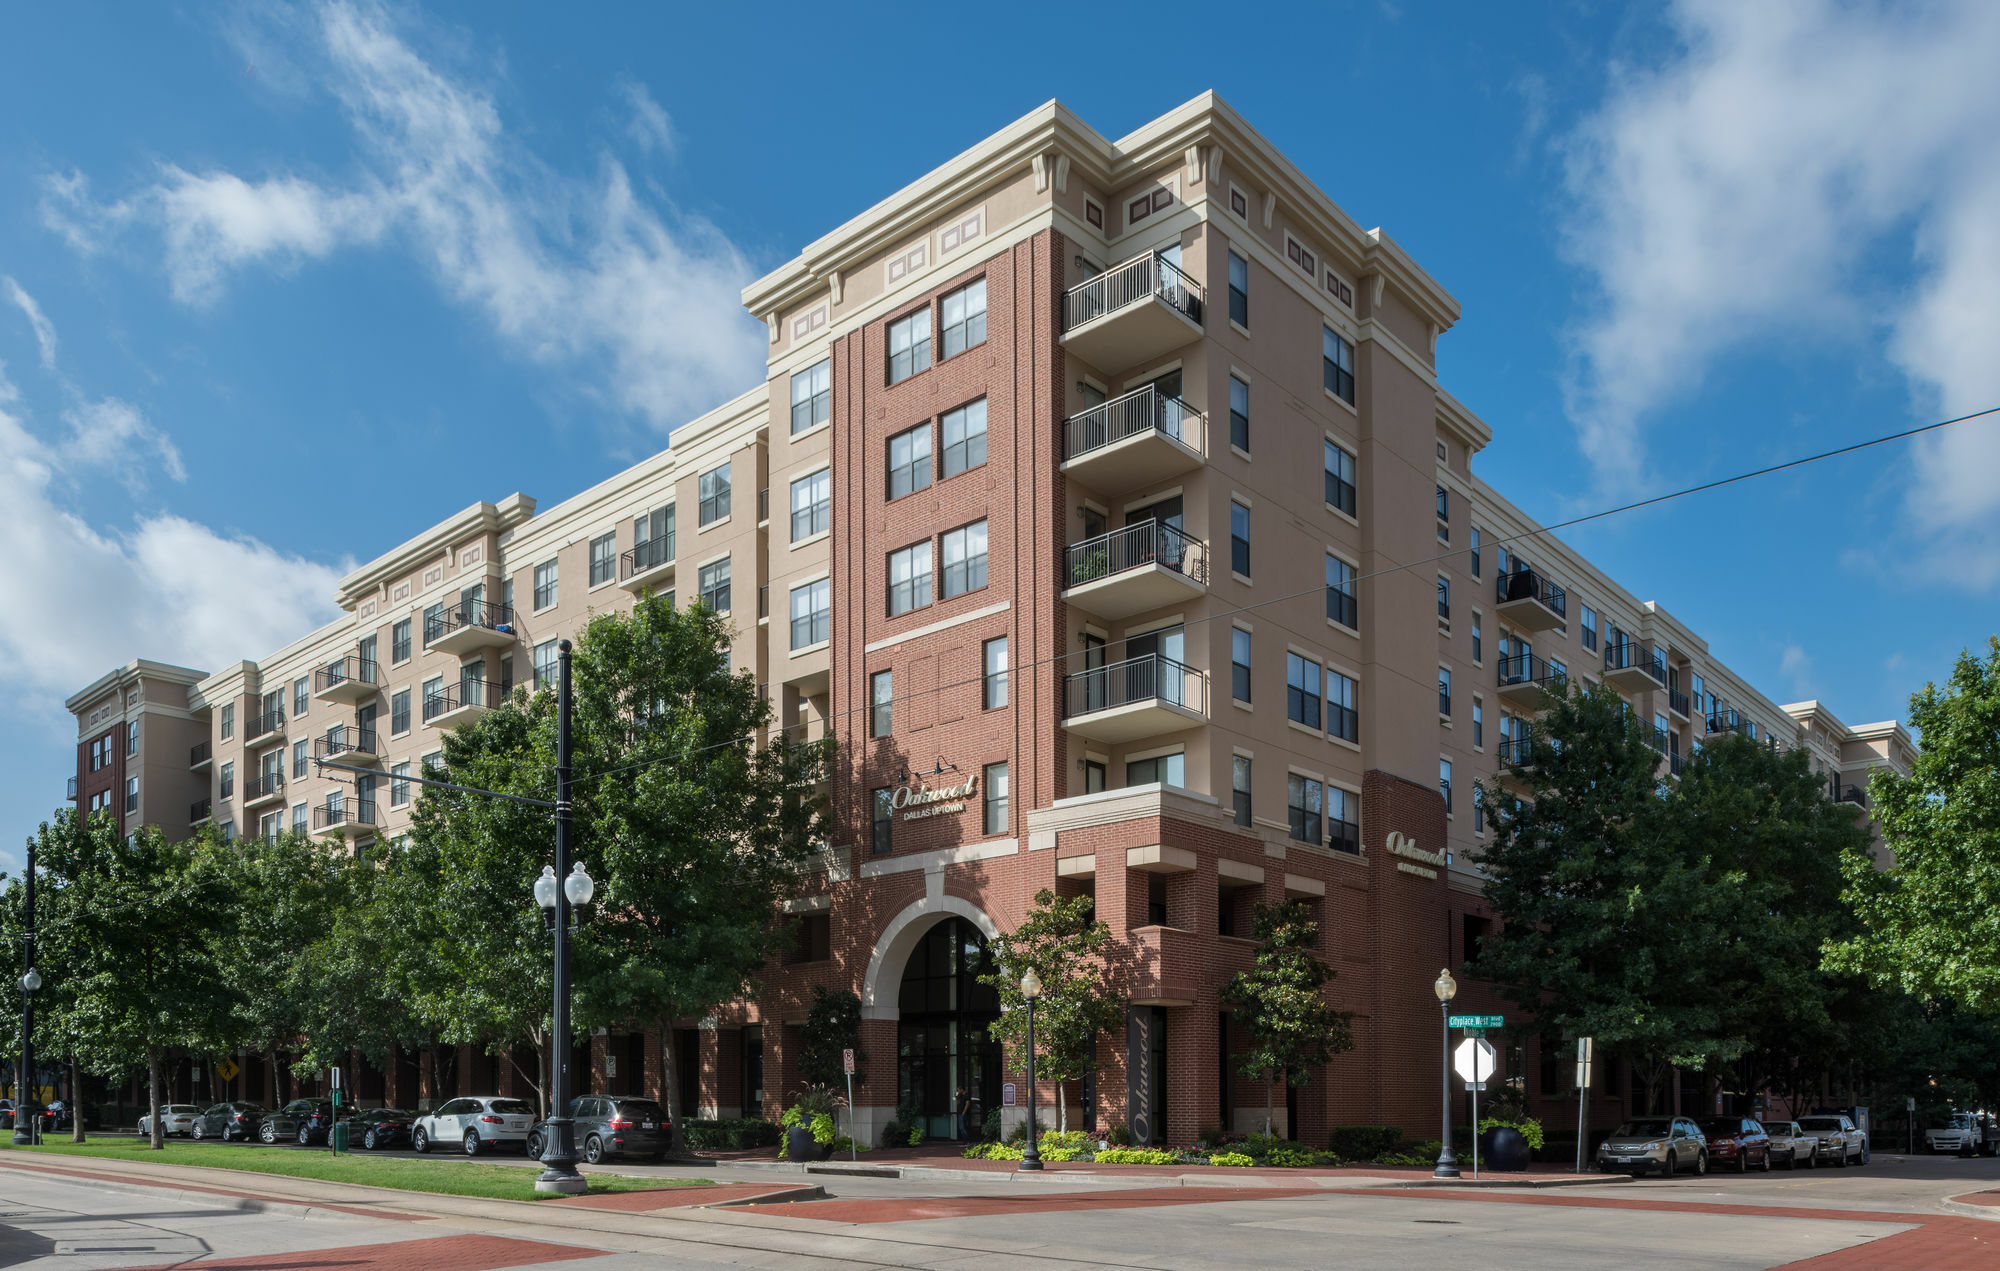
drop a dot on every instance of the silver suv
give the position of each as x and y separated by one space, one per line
474 1124
1662 1145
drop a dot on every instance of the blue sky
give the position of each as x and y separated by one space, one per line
280 286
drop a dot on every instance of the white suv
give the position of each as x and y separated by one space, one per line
475 1124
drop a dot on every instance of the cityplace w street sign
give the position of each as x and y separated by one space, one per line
1475 1021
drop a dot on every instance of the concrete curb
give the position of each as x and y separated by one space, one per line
785 1196
944 1173
1953 1205
191 1195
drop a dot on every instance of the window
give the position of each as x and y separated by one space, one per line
228 720
884 820
1478 722
712 581
1343 820
1700 694
996 798
301 695
271 825
432 765
812 613
1476 636
506 597
1444 783
1239 538
1239 786
132 735
712 487
399 641
1304 799
909 578
964 437
1342 720
131 794
814 941
1444 514
1475 551
298 818
434 704
1444 691
1239 290
909 461
1166 769
545 664
1337 355
1589 636
301 758
399 785
101 802
399 712
96 753
603 558
812 396
506 676
228 781
993 691
545 584
909 345
1558 671
1478 810
1239 414
1339 478
965 560
964 318
1093 776
1444 599
881 703
1239 664
1301 690
812 505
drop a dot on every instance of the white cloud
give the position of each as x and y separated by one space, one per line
649 126
576 271
1760 183
45 331
1796 665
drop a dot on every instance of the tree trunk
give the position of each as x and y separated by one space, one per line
1269 1098
75 1103
1062 1110
155 1131
670 1090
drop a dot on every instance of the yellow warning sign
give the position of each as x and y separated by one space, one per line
227 1070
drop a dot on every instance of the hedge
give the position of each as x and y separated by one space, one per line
736 1135
1363 1142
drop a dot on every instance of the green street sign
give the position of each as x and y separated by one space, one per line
1475 1021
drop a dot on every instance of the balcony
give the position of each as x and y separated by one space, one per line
1530 602
1527 682
270 726
199 755
1677 702
1139 697
468 626
258 791
1677 762
647 565
350 818
1145 566
72 789
1725 719
349 680
198 812
461 703
346 743
1139 439
1631 667
1168 966
1516 758
1851 794
1131 313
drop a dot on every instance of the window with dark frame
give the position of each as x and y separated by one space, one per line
909 345
964 437
812 613
1444 514
712 487
1239 290
995 784
1239 414
1239 538
1475 551
1444 598
1444 691
1342 719
399 712
712 581
812 504
1337 357
1239 787
1239 664
399 641
1343 820
812 939
546 584
1341 606
603 558
964 314
1339 478
1303 807
1302 692
884 822
910 461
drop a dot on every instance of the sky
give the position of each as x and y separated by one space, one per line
283 284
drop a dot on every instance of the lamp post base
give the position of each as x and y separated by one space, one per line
1447 1165
1027 1164
555 1184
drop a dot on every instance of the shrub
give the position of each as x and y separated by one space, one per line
1261 1145
1135 1156
1325 1159
1413 1154
735 1135
823 1128
992 1152
1211 1137
1117 1136
991 1128
845 1144
915 1138
1230 1158
1364 1142
1291 1157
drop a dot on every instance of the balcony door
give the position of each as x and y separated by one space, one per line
1093 667
1165 549
470 602
1167 402
1146 676
273 768
471 684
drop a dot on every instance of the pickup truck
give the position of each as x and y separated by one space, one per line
1840 1143
1963 1134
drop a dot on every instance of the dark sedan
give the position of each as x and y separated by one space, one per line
302 1121
378 1128
1736 1142
226 1121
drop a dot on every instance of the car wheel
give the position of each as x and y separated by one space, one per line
194 1131
1767 1159
593 1150
1672 1163
1700 1164
1742 1160
1840 1161
268 1132
368 1140
420 1141
472 1143
534 1147
305 1137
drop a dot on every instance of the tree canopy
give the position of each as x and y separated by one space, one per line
1293 1030
1064 942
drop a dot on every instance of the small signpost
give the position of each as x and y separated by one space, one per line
847 1066
1474 1060
1586 1048
333 1125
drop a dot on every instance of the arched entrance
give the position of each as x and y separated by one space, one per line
943 1038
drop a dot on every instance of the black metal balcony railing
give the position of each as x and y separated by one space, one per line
1725 719
349 812
1526 584
1518 751
72 789
1526 668
465 693
468 613
259 725
344 739
650 554
1140 278
763 504
1630 655
1677 702
1852 794
1139 411
1660 739
198 811
1147 678
1676 762
346 670
265 784
200 753
1146 543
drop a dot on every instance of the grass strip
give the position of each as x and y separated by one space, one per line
441 1177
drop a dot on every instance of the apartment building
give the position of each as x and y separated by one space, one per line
1084 505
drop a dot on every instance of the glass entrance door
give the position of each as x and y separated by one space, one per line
943 1040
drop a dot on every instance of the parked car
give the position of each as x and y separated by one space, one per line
237 1120
1790 1144
1838 1141
6 1114
303 1121
175 1118
1737 1141
610 1125
1663 1145
1966 1133
476 1123
378 1128
61 1115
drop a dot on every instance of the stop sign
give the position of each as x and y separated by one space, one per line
1474 1059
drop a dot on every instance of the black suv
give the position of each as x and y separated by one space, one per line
304 1121
237 1119
612 1125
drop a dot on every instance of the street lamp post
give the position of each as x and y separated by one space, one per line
559 1144
24 1084
1445 988
1031 988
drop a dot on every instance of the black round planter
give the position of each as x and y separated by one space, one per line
1503 1149
799 1145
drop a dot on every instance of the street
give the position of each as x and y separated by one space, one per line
1887 1215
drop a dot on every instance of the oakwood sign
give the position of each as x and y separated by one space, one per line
918 802
1399 845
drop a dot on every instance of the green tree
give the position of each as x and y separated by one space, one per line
1292 1029
833 1025
352 980
288 893
1064 942
1611 909
1930 922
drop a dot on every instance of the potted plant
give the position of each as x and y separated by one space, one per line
809 1128
1508 1145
